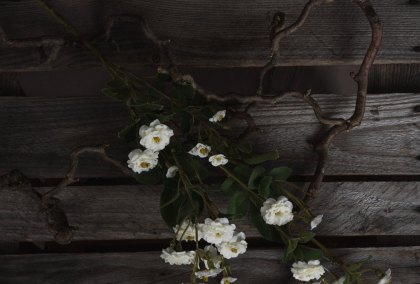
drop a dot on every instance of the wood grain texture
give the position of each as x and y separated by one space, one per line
132 212
39 133
212 33
256 266
391 78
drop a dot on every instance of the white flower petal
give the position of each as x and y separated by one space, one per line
177 258
172 171
142 161
200 150
218 116
306 271
316 221
387 278
234 247
186 232
217 231
156 136
218 160
228 280
277 212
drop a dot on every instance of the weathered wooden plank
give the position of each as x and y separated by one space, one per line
256 266
212 33
391 78
39 133
132 212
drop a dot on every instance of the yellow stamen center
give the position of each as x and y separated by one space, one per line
203 151
218 235
234 250
156 139
205 279
144 165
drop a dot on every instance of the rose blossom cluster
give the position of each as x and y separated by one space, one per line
224 243
154 138
280 212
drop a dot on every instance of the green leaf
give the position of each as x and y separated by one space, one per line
130 132
228 186
280 173
306 237
238 205
149 107
264 187
254 159
192 205
117 89
182 92
193 167
245 147
306 253
243 171
290 248
256 173
267 231
170 201
357 265
153 176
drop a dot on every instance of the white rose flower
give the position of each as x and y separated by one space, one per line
340 281
234 247
205 274
156 136
218 116
387 278
210 254
177 258
316 221
228 280
217 231
172 171
142 161
306 271
200 150
218 160
277 212
187 231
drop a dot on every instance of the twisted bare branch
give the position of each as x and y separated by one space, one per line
279 34
51 46
361 78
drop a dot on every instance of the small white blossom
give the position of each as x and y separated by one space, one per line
172 171
228 280
218 116
218 160
340 280
205 274
387 278
186 232
156 136
200 150
234 247
177 258
316 221
277 212
210 254
142 161
217 231
306 271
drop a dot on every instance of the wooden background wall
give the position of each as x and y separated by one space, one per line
371 197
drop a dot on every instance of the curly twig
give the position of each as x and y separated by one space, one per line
55 216
281 33
54 44
361 78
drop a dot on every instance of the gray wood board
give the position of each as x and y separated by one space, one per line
132 212
39 133
256 266
211 33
